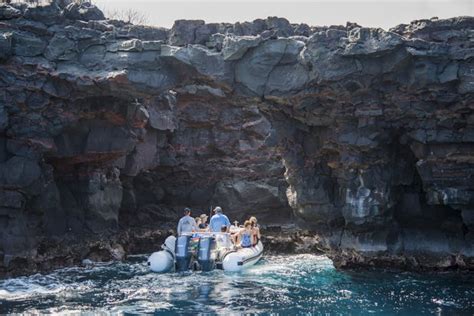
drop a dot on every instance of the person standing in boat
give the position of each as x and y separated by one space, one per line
186 224
218 220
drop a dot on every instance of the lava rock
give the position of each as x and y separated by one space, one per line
27 45
5 45
48 14
8 12
183 32
12 199
365 41
83 11
234 48
253 70
358 133
60 48
19 172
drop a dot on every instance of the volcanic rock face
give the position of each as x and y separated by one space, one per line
365 135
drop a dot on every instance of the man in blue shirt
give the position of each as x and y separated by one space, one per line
219 220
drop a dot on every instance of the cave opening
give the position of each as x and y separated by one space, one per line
424 225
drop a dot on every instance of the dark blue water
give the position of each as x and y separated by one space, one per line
278 285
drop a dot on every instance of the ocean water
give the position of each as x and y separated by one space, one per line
278 285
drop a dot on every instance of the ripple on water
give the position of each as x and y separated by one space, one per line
277 285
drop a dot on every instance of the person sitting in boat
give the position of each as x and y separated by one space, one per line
198 221
245 235
255 230
202 223
234 232
223 239
218 220
186 224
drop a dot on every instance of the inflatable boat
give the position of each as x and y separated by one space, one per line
204 252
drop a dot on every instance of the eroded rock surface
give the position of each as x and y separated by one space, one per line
363 135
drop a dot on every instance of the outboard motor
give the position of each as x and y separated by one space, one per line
182 253
206 255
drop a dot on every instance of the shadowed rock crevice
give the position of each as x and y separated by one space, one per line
362 135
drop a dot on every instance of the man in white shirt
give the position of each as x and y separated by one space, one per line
186 224
223 239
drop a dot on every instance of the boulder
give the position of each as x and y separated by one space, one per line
286 79
48 14
322 56
302 30
282 26
37 101
27 45
84 11
8 12
35 27
249 28
203 60
216 41
449 73
367 41
61 48
19 172
253 70
203 32
94 55
183 32
234 48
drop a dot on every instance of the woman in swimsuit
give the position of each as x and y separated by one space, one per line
245 235
255 230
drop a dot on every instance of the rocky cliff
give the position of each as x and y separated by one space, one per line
364 136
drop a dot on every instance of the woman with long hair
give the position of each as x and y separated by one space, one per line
255 230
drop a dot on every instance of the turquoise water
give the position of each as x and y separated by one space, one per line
278 285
